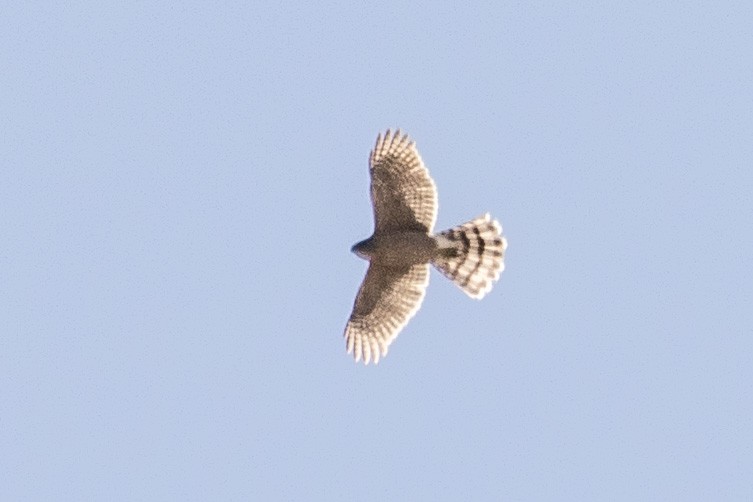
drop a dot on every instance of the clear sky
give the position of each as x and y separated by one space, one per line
180 185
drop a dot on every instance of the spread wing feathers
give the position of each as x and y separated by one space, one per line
402 192
388 298
472 255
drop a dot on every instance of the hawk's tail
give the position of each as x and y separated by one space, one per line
472 255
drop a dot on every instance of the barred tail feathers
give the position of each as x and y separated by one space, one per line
472 255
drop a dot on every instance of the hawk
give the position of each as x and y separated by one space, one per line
403 246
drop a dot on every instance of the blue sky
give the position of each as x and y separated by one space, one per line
180 186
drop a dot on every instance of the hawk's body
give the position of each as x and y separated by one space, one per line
398 248
402 247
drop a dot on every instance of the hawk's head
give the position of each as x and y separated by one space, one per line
364 249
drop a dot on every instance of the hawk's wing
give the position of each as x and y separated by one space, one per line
388 298
402 192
